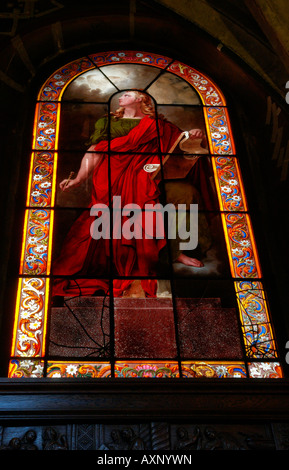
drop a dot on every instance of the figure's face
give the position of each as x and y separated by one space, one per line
128 99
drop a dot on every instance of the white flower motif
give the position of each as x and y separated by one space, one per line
225 142
26 364
59 83
145 59
32 305
221 370
36 193
40 248
25 314
30 258
115 58
32 240
245 243
38 177
23 337
38 369
204 82
237 251
255 372
249 262
71 369
42 124
266 366
121 54
236 198
223 129
38 316
202 88
35 325
233 182
47 88
139 54
226 189
40 138
49 131
57 76
45 185
216 135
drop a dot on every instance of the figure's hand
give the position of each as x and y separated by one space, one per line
196 134
67 184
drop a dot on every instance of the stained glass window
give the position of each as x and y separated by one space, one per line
124 305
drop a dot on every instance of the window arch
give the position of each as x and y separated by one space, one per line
196 95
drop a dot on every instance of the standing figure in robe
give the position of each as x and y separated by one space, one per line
135 138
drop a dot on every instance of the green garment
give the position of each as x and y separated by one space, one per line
118 128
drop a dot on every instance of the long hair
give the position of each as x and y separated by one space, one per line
146 105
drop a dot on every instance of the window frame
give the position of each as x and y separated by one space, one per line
223 155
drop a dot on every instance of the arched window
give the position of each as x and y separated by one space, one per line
119 319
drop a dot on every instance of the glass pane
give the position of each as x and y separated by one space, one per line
46 126
86 322
130 76
144 326
207 320
25 368
170 89
241 245
80 195
265 370
152 369
186 118
36 243
40 190
197 245
229 184
91 86
255 321
214 370
61 369
31 317
77 124
81 249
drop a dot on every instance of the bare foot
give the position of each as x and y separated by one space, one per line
189 261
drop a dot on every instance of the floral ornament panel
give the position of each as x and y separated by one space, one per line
229 184
63 369
46 126
53 87
219 132
265 370
214 369
41 179
30 321
36 244
209 93
258 336
25 368
132 57
241 246
152 369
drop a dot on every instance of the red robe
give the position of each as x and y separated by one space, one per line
83 255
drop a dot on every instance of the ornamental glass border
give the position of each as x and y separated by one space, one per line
30 323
